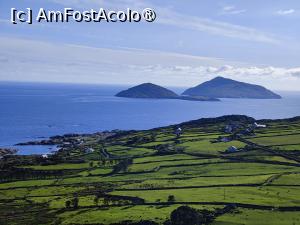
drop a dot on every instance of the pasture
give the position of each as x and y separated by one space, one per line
145 175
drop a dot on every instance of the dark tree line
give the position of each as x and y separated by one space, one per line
122 166
28 174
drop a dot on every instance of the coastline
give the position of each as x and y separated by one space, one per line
59 142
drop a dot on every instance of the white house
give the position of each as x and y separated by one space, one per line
178 131
231 149
45 156
257 125
89 150
225 139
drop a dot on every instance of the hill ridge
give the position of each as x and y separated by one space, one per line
221 87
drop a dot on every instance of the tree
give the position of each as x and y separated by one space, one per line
96 200
91 164
68 204
171 198
75 202
106 201
185 215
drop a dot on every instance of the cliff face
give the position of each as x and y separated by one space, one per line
220 87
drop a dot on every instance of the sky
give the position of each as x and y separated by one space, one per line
190 42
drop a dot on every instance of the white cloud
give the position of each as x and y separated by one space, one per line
168 17
216 28
232 10
228 8
285 12
23 60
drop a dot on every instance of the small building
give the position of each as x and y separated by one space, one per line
257 125
225 139
231 149
228 129
248 132
231 128
89 150
67 144
178 132
45 156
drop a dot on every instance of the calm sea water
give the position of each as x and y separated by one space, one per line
36 111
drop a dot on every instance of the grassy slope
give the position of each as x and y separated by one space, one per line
200 175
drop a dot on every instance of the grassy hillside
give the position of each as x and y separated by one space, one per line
145 175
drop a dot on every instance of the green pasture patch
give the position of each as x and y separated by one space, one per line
125 151
81 180
277 140
213 169
134 152
246 169
13 194
47 199
56 190
200 137
83 201
97 171
164 137
223 169
155 143
276 132
59 202
156 165
267 195
117 214
27 183
270 158
294 147
206 147
63 166
261 217
288 179
150 159
115 148
198 181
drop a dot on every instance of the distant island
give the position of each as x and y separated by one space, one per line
221 87
212 90
153 91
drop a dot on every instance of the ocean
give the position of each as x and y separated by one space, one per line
33 111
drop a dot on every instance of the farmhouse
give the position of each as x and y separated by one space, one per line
45 156
230 128
178 132
225 139
231 149
257 125
89 150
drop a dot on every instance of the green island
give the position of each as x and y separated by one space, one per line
230 170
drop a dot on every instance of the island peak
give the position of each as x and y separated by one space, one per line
153 91
221 87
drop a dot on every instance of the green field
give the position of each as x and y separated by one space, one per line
145 175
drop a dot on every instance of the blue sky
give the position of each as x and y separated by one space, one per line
190 42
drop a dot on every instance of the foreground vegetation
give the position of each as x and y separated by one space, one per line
135 177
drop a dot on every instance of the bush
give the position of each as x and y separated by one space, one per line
185 215
171 198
